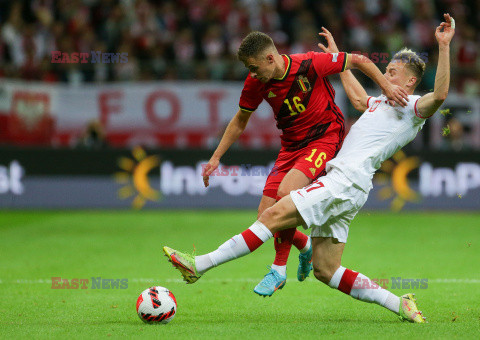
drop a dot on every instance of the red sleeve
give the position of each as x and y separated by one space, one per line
329 63
251 94
370 101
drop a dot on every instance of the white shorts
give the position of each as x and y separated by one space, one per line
329 204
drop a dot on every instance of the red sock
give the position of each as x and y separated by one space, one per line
283 244
252 240
299 240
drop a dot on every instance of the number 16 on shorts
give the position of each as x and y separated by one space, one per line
319 158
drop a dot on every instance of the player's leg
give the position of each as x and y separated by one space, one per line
282 215
276 278
282 165
294 179
303 166
339 202
309 166
284 239
327 268
326 259
265 203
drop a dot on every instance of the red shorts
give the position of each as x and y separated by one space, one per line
310 160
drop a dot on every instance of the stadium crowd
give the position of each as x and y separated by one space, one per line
198 39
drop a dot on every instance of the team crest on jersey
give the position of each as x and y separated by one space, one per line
271 94
304 84
313 170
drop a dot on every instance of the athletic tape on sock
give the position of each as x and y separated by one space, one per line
261 231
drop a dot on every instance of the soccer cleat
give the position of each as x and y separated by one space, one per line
409 310
270 283
304 265
185 263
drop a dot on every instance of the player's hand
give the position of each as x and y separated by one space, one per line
331 45
397 94
444 37
211 166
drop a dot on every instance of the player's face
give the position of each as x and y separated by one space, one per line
261 68
397 74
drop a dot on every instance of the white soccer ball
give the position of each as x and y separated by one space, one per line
156 305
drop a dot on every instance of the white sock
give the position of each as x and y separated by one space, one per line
203 263
337 276
234 248
282 270
364 289
392 303
309 244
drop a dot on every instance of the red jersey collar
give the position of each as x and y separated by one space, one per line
288 63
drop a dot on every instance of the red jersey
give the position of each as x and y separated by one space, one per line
302 100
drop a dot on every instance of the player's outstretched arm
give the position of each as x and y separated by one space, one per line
234 129
364 64
429 103
354 90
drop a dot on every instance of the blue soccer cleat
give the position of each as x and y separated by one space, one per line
304 264
270 283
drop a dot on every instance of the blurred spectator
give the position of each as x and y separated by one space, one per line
455 140
466 69
420 30
184 49
356 19
93 137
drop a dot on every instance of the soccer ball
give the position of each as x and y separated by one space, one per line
156 305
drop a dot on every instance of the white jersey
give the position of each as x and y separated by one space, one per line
380 132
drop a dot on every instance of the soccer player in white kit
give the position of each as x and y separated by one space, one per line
329 204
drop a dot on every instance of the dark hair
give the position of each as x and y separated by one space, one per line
412 61
254 44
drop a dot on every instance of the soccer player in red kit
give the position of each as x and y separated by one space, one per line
302 98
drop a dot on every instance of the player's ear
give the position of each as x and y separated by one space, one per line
412 81
270 58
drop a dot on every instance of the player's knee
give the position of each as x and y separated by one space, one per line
270 216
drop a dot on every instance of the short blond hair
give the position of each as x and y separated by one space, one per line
413 62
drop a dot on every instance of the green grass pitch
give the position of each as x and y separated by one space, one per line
35 246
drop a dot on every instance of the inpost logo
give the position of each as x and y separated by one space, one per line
394 177
134 177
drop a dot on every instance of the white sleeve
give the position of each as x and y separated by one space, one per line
412 107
